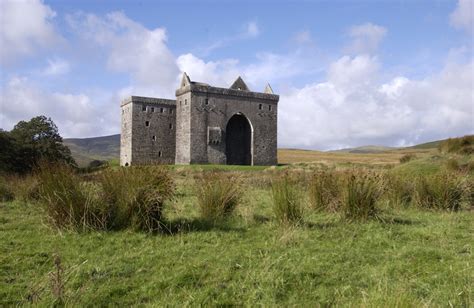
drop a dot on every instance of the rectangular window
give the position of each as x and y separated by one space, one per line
269 107
153 138
185 101
160 154
152 109
143 108
161 110
171 126
206 101
259 106
171 111
147 123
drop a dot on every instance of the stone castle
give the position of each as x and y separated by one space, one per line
204 125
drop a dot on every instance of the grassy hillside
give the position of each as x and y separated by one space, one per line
108 147
84 150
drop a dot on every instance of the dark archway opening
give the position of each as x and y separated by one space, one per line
238 141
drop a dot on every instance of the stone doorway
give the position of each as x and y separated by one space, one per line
238 141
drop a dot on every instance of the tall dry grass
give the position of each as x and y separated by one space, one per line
442 191
287 201
325 190
217 195
362 192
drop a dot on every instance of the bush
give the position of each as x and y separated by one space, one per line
406 158
362 192
6 193
324 191
442 191
287 204
69 203
217 196
135 196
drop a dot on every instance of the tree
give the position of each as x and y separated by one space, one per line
8 152
38 140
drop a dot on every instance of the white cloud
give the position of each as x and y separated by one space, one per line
76 115
252 29
131 48
334 114
366 38
56 67
25 26
461 17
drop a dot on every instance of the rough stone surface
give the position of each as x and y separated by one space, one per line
199 126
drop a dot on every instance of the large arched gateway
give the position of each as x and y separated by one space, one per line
238 141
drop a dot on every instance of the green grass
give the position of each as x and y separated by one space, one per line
411 258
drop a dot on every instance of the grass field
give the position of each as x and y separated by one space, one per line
407 257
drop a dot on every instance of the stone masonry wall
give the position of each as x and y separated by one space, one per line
153 130
210 110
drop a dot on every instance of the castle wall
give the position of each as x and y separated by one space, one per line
183 128
210 110
153 130
126 135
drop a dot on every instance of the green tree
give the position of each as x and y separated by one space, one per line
8 152
38 140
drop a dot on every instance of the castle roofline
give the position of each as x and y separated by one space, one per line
148 100
197 88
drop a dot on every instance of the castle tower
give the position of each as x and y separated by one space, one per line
225 125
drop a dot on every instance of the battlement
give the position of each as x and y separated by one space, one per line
200 88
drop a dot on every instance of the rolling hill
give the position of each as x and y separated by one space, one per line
85 150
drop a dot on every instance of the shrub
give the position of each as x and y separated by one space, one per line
135 196
6 193
407 157
443 191
68 202
324 190
217 196
287 204
362 191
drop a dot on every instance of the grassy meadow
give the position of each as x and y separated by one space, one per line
288 235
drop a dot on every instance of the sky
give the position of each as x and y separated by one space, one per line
348 72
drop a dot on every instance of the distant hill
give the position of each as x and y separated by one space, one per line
85 150
367 149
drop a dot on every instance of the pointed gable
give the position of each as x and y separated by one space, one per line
185 80
239 84
268 89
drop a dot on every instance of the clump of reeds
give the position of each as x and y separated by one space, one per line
442 191
407 157
287 201
217 195
325 190
362 192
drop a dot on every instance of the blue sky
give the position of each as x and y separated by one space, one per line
349 73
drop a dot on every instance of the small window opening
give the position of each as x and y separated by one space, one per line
161 110
171 111
171 126
144 108
147 123
239 88
180 103
206 101
259 106
160 154
269 107
185 101
126 164
153 138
